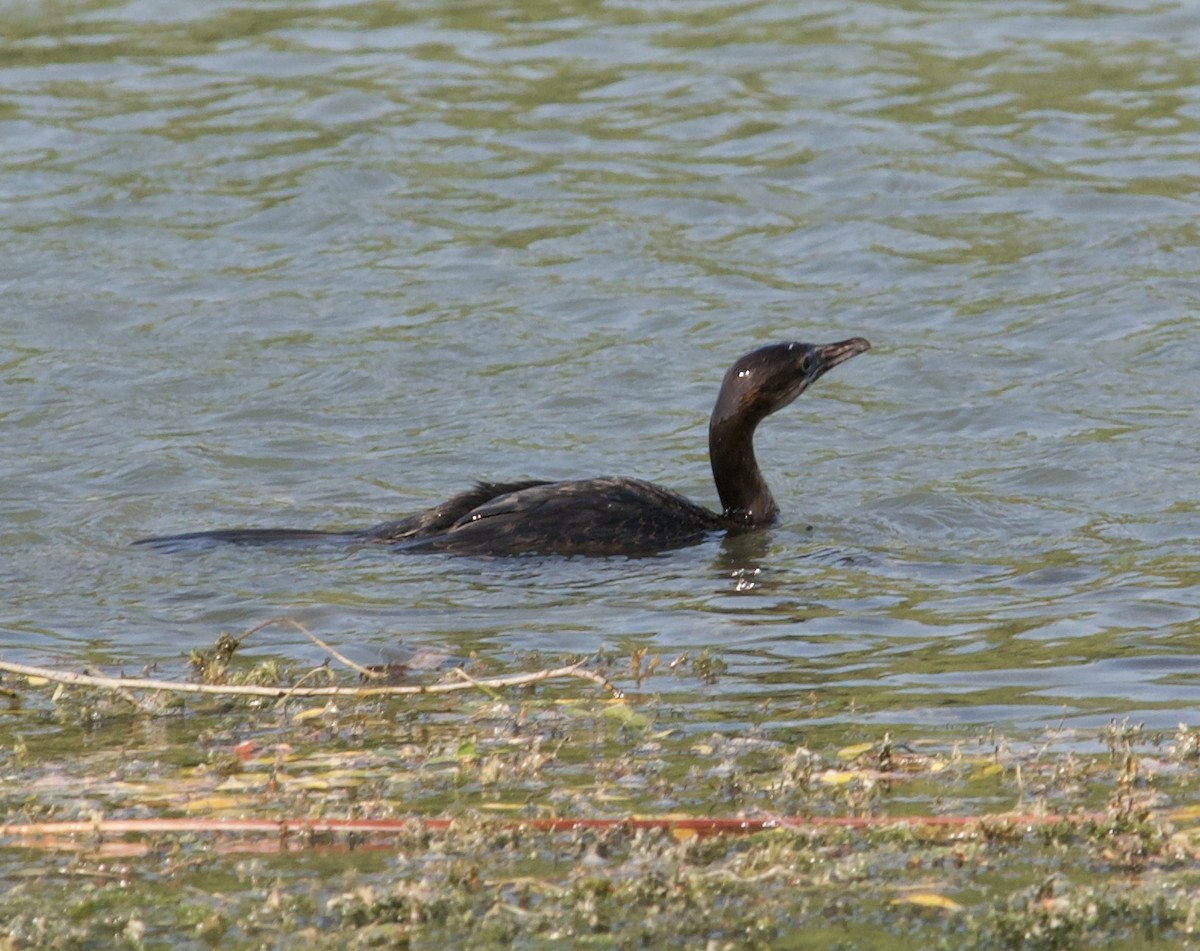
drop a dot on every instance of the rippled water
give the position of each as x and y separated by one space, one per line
319 264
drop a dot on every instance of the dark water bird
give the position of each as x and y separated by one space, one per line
604 516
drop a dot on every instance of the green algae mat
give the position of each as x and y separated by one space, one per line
608 802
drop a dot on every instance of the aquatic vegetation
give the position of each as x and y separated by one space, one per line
530 812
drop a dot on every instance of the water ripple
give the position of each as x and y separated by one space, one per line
316 264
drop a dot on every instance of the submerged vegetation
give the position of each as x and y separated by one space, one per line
538 811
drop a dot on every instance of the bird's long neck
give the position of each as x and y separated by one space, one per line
745 498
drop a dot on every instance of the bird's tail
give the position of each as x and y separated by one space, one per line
251 537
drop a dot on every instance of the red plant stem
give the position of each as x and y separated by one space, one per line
699 826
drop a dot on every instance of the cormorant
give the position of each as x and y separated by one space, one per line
603 516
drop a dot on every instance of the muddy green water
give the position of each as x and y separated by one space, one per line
318 264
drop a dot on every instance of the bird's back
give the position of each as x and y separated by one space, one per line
605 516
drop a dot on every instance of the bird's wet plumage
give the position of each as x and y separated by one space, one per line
602 516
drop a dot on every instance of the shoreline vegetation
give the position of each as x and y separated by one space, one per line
252 803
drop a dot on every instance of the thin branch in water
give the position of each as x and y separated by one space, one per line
353 691
125 695
341 658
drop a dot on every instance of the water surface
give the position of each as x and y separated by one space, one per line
320 264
